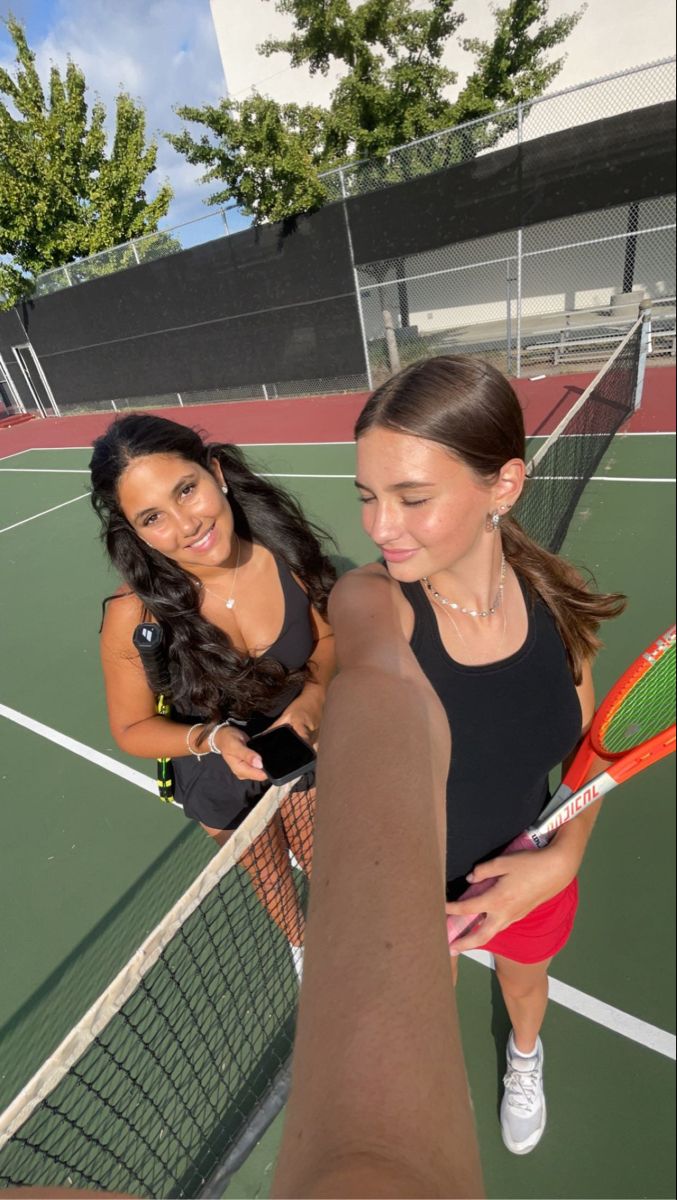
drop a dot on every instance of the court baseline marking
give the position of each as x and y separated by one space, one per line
288 475
579 1002
44 513
598 1011
252 445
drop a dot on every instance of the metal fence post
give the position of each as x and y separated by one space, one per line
356 282
518 339
508 315
644 349
135 252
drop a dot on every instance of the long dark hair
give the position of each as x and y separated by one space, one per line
469 407
207 672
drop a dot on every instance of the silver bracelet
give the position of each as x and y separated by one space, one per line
196 753
210 740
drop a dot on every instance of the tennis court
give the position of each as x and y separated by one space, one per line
92 860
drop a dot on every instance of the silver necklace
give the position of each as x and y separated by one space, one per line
470 612
230 602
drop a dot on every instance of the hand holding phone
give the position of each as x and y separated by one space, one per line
284 754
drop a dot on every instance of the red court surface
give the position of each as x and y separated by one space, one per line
331 418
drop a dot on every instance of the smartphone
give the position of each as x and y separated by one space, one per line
283 753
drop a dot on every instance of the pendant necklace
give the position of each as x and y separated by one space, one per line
230 602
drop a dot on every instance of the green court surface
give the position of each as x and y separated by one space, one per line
91 861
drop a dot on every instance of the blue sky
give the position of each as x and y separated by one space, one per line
163 52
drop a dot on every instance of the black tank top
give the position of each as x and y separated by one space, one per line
292 648
511 723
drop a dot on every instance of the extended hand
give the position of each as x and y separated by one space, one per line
523 881
244 763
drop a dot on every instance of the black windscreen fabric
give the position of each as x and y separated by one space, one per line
593 166
267 304
12 332
310 341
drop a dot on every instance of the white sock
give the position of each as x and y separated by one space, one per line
521 1053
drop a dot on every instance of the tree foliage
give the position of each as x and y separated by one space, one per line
63 195
394 89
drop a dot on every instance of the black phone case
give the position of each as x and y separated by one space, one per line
299 771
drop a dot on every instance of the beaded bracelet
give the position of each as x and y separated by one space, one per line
210 740
195 753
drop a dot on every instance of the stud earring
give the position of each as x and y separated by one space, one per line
224 489
493 521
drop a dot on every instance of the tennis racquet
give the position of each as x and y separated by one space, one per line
633 728
148 639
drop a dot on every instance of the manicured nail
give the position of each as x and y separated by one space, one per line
258 763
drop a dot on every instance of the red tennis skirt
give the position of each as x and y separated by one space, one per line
542 933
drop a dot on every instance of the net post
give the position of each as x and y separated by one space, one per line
644 350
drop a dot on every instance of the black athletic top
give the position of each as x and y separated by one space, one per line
511 723
207 787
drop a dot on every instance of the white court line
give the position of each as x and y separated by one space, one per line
281 475
569 997
533 437
250 445
14 454
73 471
44 470
628 433
607 478
601 1013
631 479
286 475
35 516
79 748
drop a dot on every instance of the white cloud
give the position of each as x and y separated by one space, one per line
163 53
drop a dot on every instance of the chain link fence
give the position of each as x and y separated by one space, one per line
139 250
556 296
608 96
549 297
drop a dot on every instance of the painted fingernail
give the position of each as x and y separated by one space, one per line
258 763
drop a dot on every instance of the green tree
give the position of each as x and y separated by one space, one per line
63 195
393 90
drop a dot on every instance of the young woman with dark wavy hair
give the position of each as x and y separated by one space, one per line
506 633
236 576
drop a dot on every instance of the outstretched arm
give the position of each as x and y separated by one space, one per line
379 1103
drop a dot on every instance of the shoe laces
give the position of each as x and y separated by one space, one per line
523 1088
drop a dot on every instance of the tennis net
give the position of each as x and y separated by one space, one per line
559 471
162 1087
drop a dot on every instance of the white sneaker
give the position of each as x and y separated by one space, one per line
297 959
523 1105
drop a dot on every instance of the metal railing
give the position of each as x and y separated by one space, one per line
139 250
609 95
552 296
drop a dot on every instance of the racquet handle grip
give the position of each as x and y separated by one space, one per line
457 926
148 639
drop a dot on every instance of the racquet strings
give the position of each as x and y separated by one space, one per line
646 709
